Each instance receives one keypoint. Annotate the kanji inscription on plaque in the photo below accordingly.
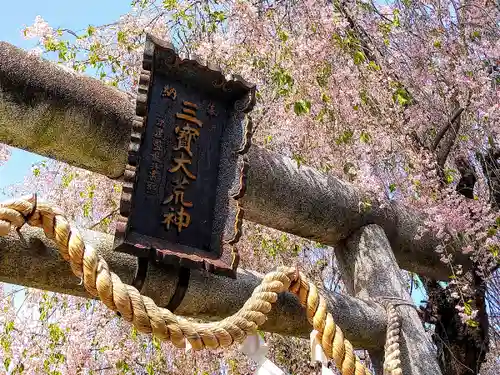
(187, 164)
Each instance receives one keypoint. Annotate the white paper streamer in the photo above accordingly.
(255, 348)
(188, 346)
(268, 368)
(318, 354)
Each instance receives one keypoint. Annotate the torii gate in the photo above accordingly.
(37, 97)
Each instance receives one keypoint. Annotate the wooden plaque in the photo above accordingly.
(186, 163)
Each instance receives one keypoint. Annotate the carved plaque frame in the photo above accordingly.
(187, 163)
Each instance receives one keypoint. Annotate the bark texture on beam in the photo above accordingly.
(76, 119)
(207, 297)
(370, 271)
(57, 113)
(311, 204)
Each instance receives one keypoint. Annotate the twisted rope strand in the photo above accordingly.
(147, 317)
(392, 362)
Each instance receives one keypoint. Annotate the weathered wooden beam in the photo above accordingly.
(207, 297)
(77, 119)
(370, 271)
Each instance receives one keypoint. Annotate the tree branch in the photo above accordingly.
(445, 128)
(115, 211)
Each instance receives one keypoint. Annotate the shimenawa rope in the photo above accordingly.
(392, 362)
(147, 317)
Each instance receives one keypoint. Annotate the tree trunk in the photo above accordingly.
(461, 348)
(490, 163)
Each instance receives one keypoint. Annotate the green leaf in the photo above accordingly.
(345, 137)
(122, 365)
(90, 30)
(392, 187)
(299, 159)
(9, 326)
(6, 343)
(121, 37)
(282, 35)
(437, 44)
(401, 99)
(156, 343)
(91, 191)
(365, 137)
(363, 95)
(141, 3)
(365, 206)
(494, 250)
(19, 369)
(395, 21)
(87, 208)
(359, 57)
(324, 73)
(66, 179)
(401, 96)
(56, 334)
(283, 81)
(6, 363)
(464, 138)
(472, 323)
(93, 59)
(475, 35)
(170, 4)
(449, 175)
(219, 16)
(321, 115)
(302, 107)
(467, 308)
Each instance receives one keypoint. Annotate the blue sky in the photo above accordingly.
(74, 15)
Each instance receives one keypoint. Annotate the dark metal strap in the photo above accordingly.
(180, 289)
(141, 273)
(183, 276)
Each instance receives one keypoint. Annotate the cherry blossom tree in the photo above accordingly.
(401, 99)
(4, 153)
